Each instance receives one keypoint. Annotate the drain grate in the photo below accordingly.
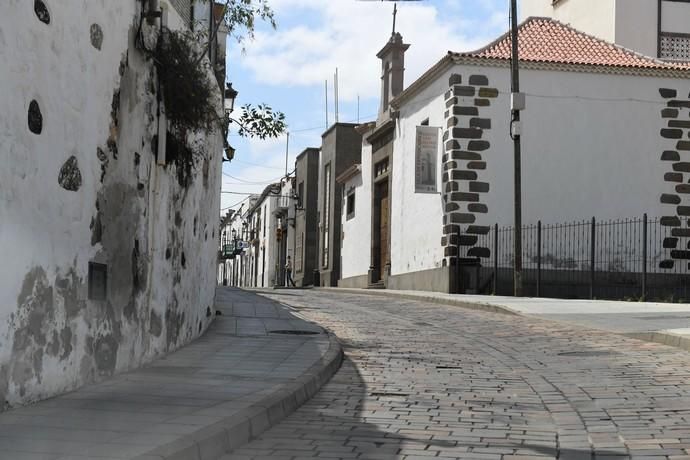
(587, 354)
(294, 332)
(392, 395)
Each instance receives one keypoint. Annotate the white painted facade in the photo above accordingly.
(157, 238)
(356, 231)
(590, 147)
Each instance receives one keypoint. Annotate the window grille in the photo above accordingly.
(675, 47)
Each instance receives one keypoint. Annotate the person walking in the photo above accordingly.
(288, 272)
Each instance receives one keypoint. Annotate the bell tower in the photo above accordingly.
(392, 57)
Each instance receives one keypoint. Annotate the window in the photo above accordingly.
(350, 205)
(300, 195)
(326, 212)
(674, 46)
(381, 168)
(265, 218)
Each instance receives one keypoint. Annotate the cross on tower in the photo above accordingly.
(395, 13)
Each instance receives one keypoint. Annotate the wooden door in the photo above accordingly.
(383, 227)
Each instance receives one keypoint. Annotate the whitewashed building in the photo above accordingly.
(604, 134)
(113, 247)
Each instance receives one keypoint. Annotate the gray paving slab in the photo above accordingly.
(425, 379)
(193, 404)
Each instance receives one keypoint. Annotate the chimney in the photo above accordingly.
(392, 70)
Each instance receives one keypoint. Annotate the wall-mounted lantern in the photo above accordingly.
(229, 153)
(230, 96)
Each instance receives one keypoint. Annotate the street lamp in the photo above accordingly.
(230, 96)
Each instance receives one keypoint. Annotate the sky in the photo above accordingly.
(287, 67)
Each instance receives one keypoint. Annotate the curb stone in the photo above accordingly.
(216, 440)
(430, 299)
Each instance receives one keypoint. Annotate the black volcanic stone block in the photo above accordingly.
(670, 243)
(679, 124)
(467, 133)
(452, 187)
(488, 92)
(682, 166)
(463, 91)
(679, 104)
(460, 110)
(671, 133)
(479, 80)
(668, 93)
(463, 175)
(450, 251)
(478, 230)
(462, 218)
(479, 187)
(452, 122)
(482, 102)
(450, 207)
(673, 177)
(450, 229)
(683, 255)
(451, 102)
(670, 221)
(469, 156)
(683, 188)
(683, 211)
(35, 118)
(462, 196)
(478, 146)
(670, 155)
(666, 264)
(450, 165)
(455, 79)
(453, 145)
(476, 165)
(669, 113)
(478, 207)
(483, 253)
(670, 199)
(482, 123)
(681, 233)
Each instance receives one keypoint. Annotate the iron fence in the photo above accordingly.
(638, 258)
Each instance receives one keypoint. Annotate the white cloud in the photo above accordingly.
(349, 33)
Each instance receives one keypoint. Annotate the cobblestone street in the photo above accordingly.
(422, 381)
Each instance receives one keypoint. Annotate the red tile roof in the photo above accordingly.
(549, 41)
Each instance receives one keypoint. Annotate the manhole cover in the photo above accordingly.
(587, 354)
(294, 332)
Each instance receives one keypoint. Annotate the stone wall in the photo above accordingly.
(109, 256)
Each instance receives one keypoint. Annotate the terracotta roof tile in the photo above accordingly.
(550, 41)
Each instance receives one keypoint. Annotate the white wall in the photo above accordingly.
(591, 146)
(157, 240)
(416, 218)
(530, 8)
(636, 25)
(355, 251)
(595, 17)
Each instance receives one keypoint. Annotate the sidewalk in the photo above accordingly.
(194, 404)
(666, 323)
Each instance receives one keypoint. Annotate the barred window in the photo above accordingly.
(675, 47)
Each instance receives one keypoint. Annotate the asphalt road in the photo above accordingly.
(423, 381)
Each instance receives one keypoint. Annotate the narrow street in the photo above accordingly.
(422, 381)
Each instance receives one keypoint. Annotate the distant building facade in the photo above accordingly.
(306, 229)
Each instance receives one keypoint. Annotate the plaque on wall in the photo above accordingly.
(426, 159)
